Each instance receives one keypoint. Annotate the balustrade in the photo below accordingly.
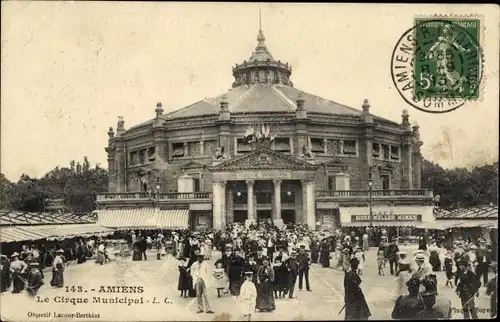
(375, 193)
(153, 196)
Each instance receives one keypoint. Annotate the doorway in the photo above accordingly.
(386, 182)
(288, 216)
(262, 215)
(240, 216)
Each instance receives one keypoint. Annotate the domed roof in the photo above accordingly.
(262, 85)
(258, 98)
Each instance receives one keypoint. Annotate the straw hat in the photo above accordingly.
(419, 258)
(16, 254)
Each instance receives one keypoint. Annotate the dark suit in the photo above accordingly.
(483, 263)
(467, 287)
(392, 252)
(304, 260)
(292, 266)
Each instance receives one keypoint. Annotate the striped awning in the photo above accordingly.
(144, 218)
(443, 224)
(489, 223)
(200, 206)
(380, 224)
(51, 232)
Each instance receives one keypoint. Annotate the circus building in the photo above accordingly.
(265, 150)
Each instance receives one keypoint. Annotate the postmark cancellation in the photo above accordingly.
(437, 65)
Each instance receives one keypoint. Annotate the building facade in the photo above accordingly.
(265, 150)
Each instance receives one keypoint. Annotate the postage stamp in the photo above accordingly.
(437, 64)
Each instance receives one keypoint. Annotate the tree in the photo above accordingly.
(5, 186)
(461, 187)
(77, 185)
(26, 195)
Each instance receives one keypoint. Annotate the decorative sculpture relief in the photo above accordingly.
(219, 154)
(307, 153)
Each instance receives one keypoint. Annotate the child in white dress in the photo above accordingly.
(208, 248)
(220, 277)
(248, 296)
(360, 256)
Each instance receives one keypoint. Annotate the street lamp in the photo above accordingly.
(370, 185)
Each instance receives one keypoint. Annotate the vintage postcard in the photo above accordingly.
(177, 161)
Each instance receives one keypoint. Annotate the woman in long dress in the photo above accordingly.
(235, 273)
(184, 282)
(58, 270)
(265, 294)
(356, 307)
(314, 250)
(34, 279)
(324, 258)
(403, 275)
(17, 269)
(434, 257)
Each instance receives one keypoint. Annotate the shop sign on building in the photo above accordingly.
(386, 216)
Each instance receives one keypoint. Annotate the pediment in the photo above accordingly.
(387, 167)
(335, 163)
(264, 159)
(193, 165)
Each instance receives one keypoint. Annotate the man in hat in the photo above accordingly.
(292, 266)
(391, 253)
(4, 273)
(467, 287)
(483, 258)
(491, 290)
(18, 269)
(304, 263)
(429, 312)
(421, 270)
(34, 278)
(201, 280)
(408, 306)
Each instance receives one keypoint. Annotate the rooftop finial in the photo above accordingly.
(260, 37)
(260, 20)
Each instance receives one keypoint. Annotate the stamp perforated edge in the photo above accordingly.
(482, 33)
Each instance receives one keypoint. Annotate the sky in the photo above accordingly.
(69, 69)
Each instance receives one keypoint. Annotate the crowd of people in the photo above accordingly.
(25, 269)
(263, 262)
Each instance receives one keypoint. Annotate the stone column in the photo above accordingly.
(250, 204)
(230, 207)
(417, 168)
(303, 217)
(216, 205)
(277, 204)
(120, 168)
(112, 174)
(407, 182)
(223, 203)
(310, 205)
